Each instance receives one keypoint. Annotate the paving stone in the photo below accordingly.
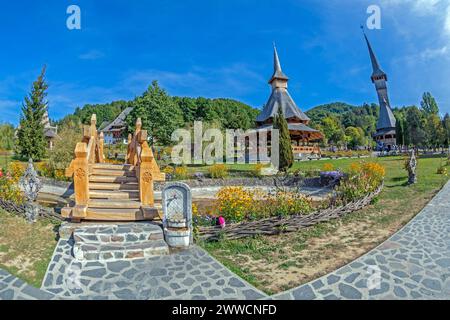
(384, 287)
(95, 273)
(349, 292)
(317, 284)
(432, 284)
(125, 294)
(400, 274)
(234, 282)
(118, 266)
(332, 279)
(303, 293)
(162, 292)
(197, 290)
(213, 293)
(444, 262)
(7, 294)
(158, 272)
(229, 290)
(399, 292)
(351, 278)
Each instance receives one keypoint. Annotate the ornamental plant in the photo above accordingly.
(181, 173)
(9, 190)
(328, 167)
(16, 170)
(362, 178)
(236, 204)
(218, 171)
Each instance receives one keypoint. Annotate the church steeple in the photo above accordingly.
(386, 121)
(377, 72)
(278, 79)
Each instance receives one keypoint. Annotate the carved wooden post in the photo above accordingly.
(137, 142)
(145, 177)
(101, 142)
(129, 147)
(81, 180)
(94, 125)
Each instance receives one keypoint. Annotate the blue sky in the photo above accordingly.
(221, 49)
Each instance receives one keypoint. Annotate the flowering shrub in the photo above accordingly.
(9, 189)
(237, 204)
(16, 170)
(181, 173)
(218, 171)
(328, 167)
(361, 179)
(168, 170)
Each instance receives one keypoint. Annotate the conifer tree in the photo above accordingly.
(31, 141)
(286, 154)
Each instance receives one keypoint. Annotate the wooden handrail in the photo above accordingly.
(141, 156)
(87, 152)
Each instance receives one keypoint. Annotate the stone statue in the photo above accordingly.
(31, 184)
(411, 167)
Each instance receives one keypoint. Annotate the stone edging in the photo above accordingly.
(207, 182)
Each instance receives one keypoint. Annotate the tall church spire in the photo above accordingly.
(377, 72)
(278, 79)
(385, 135)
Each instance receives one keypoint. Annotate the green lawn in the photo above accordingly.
(26, 249)
(277, 263)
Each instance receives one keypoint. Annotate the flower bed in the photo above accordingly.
(250, 213)
(278, 225)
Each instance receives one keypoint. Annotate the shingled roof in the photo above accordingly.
(280, 97)
(119, 121)
(386, 118)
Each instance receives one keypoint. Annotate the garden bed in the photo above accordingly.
(278, 225)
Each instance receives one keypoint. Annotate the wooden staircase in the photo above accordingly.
(112, 192)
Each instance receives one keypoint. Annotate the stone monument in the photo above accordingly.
(177, 208)
(30, 184)
(411, 168)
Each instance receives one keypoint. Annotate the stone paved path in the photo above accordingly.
(12, 288)
(414, 263)
(189, 274)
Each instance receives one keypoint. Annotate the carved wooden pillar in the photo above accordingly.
(145, 177)
(81, 180)
(101, 142)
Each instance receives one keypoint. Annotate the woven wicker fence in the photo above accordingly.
(277, 225)
(20, 209)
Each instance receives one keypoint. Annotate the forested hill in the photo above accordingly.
(364, 117)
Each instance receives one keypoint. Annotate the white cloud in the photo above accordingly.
(447, 21)
(428, 53)
(91, 55)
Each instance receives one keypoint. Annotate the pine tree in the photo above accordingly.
(286, 155)
(31, 141)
